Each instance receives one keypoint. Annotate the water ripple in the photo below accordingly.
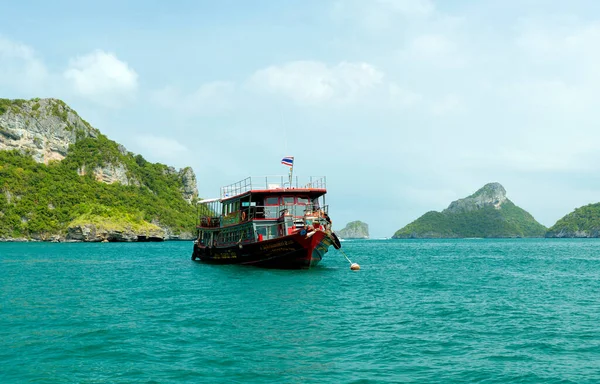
(490, 311)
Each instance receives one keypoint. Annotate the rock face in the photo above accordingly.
(43, 127)
(570, 234)
(185, 235)
(492, 194)
(486, 213)
(190, 186)
(38, 199)
(583, 222)
(90, 233)
(354, 230)
(113, 173)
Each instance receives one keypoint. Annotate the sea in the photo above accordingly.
(418, 311)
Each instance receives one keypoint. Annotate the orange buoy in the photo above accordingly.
(355, 267)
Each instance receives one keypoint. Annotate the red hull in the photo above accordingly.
(296, 251)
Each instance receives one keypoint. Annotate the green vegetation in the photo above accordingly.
(45, 199)
(113, 219)
(582, 222)
(59, 109)
(12, 104)
(508, 221)
(5, 105)
(354, 229)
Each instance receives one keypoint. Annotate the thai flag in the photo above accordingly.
(288, 160)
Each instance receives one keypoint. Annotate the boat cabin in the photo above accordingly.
(247, 212)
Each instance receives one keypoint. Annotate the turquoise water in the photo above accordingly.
(445, 311)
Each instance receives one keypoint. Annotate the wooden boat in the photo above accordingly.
(266, 222)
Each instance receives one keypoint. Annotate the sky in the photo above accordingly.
(404, 105)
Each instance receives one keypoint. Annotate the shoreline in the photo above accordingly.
(25, 240)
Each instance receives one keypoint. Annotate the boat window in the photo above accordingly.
(268, 231)
(302, 201)
(261, 231)
(288, 200)
(316, 203)
(272, 201)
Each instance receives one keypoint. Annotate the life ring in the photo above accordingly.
(243, 216)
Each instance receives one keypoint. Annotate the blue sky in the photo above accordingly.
(403, 105)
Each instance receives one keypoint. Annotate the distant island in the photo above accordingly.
(583, 222)
(487, 213)
(63, 180)
(354, 230)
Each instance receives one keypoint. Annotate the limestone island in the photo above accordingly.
(354, 230)
(63, 180)
(583, 222)
(487, 213)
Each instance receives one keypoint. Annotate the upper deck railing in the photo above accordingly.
(272, 182)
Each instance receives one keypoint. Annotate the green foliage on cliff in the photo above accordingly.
(508, 221)
(45, 199)
(585, 219)
(8, 104)
(112, 218)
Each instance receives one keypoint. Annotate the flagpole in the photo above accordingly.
(289, 161)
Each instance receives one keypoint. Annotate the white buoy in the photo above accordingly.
(353, 266)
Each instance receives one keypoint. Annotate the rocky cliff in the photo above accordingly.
(490, 195)
(354, 230)
(63, 179)
(44, 128)
(486, 213)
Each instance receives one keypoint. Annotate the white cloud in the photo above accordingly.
(559, 42)
(102, 77)
(432, 46)
(314, 82)
(403, 97)
(408, 7)
(381, 15)
(558, 74)
(209, 98)
(20, 67)
(434, 49)
(449, 104)
(556, 96)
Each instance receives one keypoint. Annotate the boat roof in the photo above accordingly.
(313, 186)
(310, 192)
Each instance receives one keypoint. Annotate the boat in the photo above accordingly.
(270, 222)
